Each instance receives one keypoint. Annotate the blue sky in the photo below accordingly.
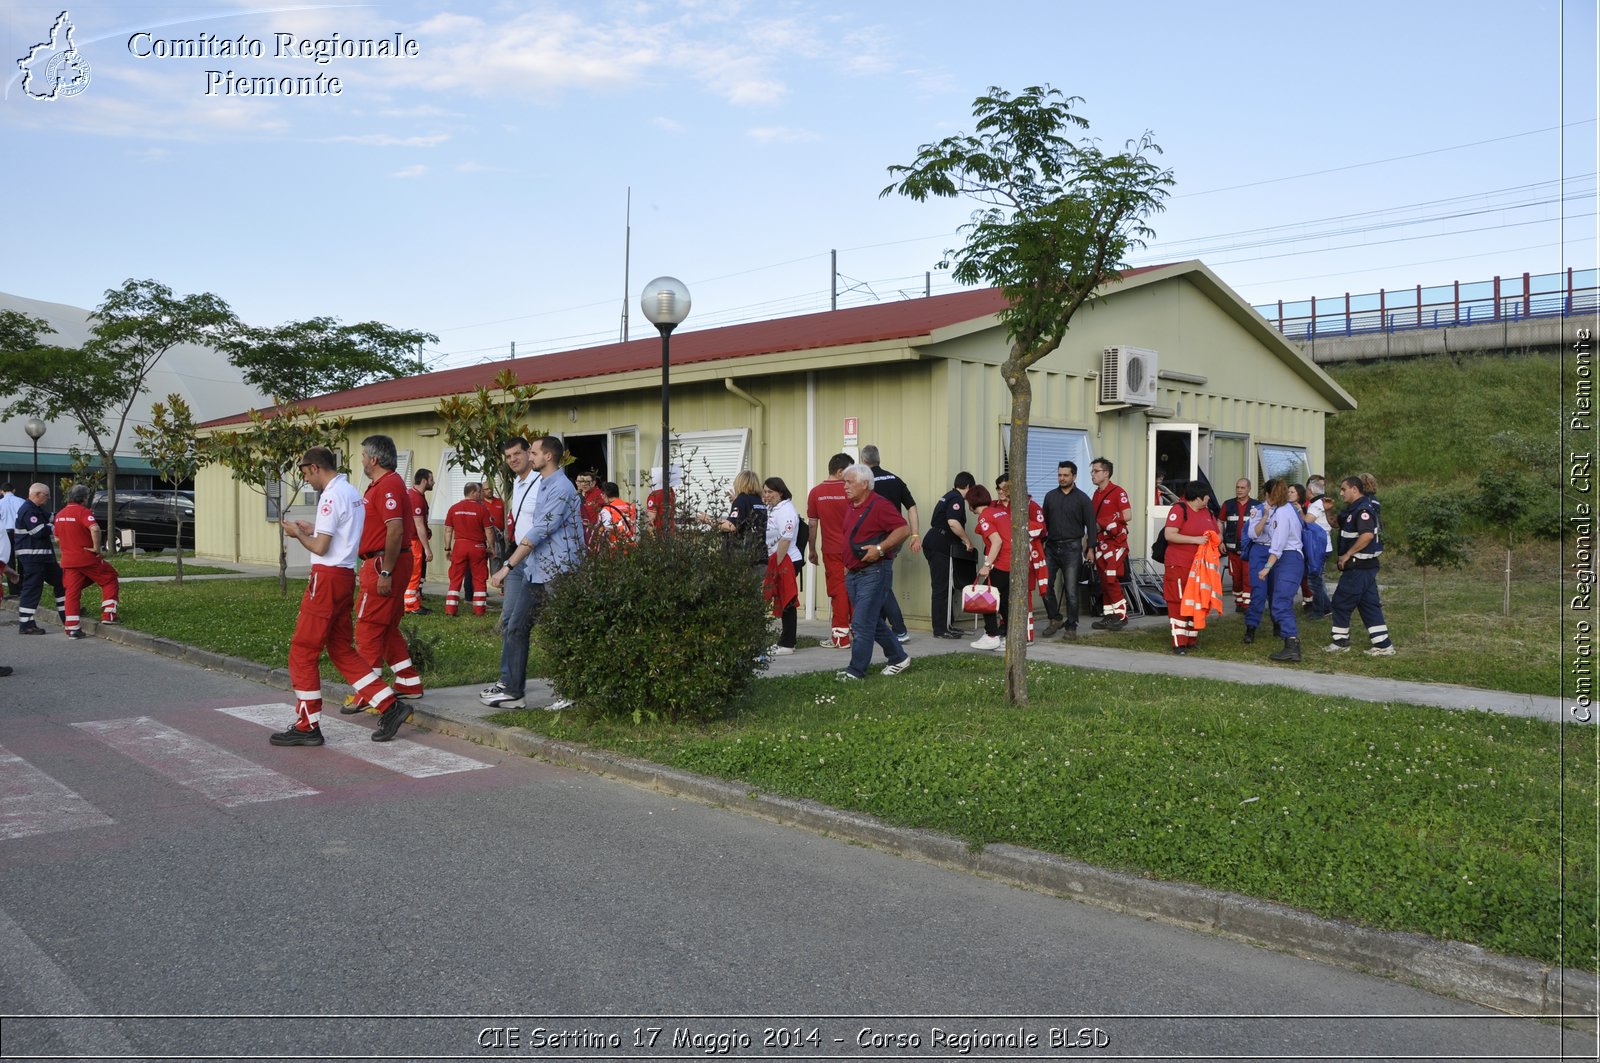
(477, 189)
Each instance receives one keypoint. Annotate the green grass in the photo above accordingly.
(1468, 641)
(161, 565)
(247, 618)
(1395, 816)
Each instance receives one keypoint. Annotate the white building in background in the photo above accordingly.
(210, 386)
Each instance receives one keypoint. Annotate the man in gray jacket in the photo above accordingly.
(549, 542)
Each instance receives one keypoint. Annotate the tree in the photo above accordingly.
(171, 447)
(1502, 500)
(1059, 220)
(1433, 539)
(97, 385)
(266, 456)
(319, 356)
(477, 424)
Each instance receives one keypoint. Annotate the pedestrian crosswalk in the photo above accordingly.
(32, 802)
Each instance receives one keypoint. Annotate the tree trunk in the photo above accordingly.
(177, 540)
(108, 462)
(1505, 602)
(1424, 570)
(1020, 604)
(283, 561)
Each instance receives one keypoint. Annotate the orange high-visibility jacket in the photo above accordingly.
(1202, 593)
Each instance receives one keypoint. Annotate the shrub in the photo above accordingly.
(668, 628)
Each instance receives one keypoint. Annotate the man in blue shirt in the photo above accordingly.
(1360, 547)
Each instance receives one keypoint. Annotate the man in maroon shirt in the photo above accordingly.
(388, 539)
(873, 529)
(422, 545)
(81, 561)
(825, 510)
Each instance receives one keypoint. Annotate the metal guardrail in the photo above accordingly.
(1436, 307)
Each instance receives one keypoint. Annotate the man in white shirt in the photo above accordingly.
(324, 624)
(10, 502)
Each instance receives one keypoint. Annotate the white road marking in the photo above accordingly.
(226, 778)
(407, 758)
(31, 802)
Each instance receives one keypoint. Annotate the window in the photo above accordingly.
(1046, 448)
(1279, 462)
(449, 479)
(704, 465)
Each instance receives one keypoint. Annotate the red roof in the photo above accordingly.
(832, 328)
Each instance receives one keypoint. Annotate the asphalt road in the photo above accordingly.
(161, 863)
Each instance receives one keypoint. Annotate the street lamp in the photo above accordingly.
(665, 303)
(35, 429)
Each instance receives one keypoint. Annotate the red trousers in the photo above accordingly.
(838, 601)
(1182, 627)
(324, 627)
(414, 583)
(78, 579)
(1239, 574)
(468, 559)
(378, 638)
(1108, 559)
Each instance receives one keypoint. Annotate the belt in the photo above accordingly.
(379, 553)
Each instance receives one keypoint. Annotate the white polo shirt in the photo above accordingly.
(9, 504)
(339, 516)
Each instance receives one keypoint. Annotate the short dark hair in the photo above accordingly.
(775, 483)
(516, 442)
(1068, 465)
(1354, 481)
(611, 489)
(1107, 463)
(6, 487)
(965, 480)
(553, 446)
(321, 457)
(420, 475)
(839, 463)
(1195, 489)
(1003, 478)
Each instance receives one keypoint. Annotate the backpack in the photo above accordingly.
(802, 538)
(1158, 549)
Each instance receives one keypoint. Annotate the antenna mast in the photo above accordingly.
(627, 248)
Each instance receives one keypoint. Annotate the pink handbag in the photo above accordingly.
(980, 598)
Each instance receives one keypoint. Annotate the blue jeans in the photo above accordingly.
(891, 604)
(1320, 605)
(1260, 586)
(1064, 561)
(870, 589)
(523, 603)
(1285, 583)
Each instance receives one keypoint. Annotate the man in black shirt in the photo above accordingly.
(1068, 531)
(895, 490)
(947, 537)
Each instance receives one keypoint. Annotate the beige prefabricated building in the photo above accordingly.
(1169, 371)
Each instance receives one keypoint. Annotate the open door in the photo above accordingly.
(625, 463)
(1173, 459)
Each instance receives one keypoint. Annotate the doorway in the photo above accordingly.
(588, 454)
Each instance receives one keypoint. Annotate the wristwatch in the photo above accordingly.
(385, 573)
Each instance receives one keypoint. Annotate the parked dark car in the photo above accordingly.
(152, 516)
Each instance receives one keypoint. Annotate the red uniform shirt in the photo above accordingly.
(497, 512)
(469, 519)
(1109, 504)
(589, 507)
(419, 507)
(827, 504)
(386, 500)
(1187, 521)
(996, 519)
(877, 516)
(652, 505)
(75, 532)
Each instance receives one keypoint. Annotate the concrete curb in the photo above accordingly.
(1505, 983)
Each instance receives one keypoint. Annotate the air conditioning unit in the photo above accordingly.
(1128, 377)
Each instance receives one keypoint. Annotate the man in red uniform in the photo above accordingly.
(388, 539)
(497, 522)
(1112, 512)
(825, 507)
(1236, 542)
(466, 538)
(417, 503)
(590, 501)
(659, 505)
(324, 621)
(81, 561)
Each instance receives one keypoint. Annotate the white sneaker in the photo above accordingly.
(781, 651)
(829, 644)
(488, 694)
(1002, 647)
(1336, 647)
(1381, 651)
(503, 700)
(987, 642)
(898, 667)
(559, 705)
(904, 636)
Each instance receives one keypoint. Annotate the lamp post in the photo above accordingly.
(35, 429)
(665, 303)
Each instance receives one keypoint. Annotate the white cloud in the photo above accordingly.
(778, 134)
(662, 122)
(410, 171)
(386, 140)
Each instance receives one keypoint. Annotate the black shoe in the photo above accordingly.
(421, 611)
(1181, 651)
(1116, 623)
(30, 629)
(1290, 652)
(956, 635)
(296, 737)
(1249, 635)
(5, 670)
(1103, 623)
(390, 721)
(352, 706)
(79, 634)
